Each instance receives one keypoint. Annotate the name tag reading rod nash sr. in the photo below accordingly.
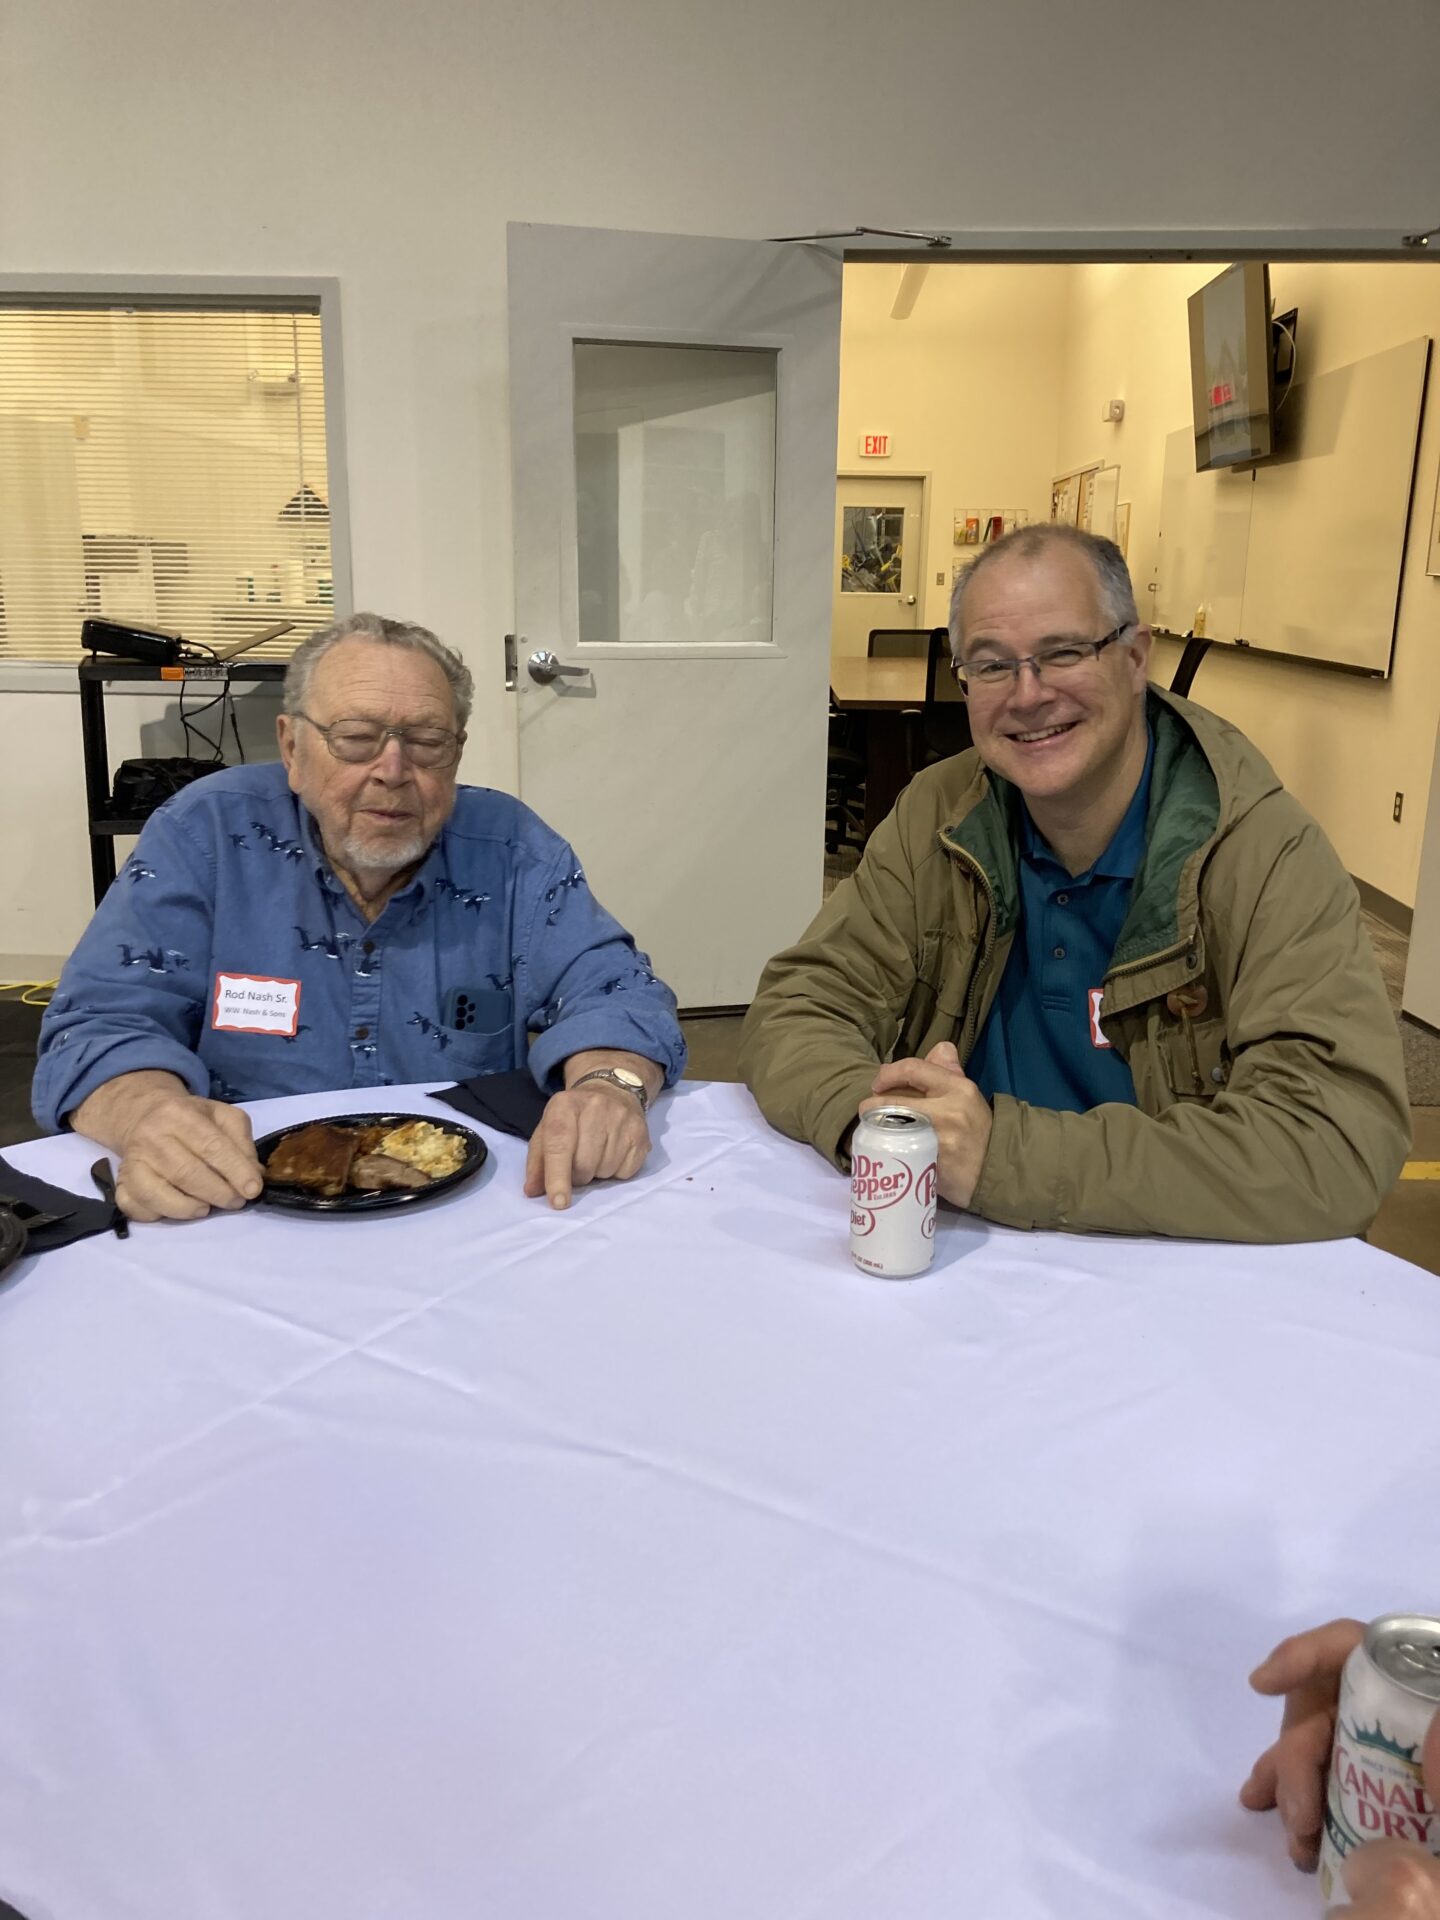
(255, 1003)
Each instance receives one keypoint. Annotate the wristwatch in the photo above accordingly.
(618, 1077)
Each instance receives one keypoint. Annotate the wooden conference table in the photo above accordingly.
(648, 1562)
(882, 690)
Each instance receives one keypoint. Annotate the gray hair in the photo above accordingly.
(1117, 595)
(392, 633)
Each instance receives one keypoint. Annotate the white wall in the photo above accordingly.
(1343, 745)
(968, 389)
(389, 145)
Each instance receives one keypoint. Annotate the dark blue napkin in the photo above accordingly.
(510, 1102)
(51, 1216)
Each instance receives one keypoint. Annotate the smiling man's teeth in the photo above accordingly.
(1046, 733)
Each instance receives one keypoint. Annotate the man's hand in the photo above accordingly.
(1291, 1773)
(594, 1132)
(937, 1086)
(179, 1155)
(1392, 1880)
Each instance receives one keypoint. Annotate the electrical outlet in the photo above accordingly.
(939, 579)
(1398, 807)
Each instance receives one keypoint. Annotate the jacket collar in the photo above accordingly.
(1182, 822)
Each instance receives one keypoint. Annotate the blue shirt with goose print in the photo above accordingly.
(495, 955)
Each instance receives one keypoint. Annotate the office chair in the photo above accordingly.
(897, 643)
(844, 782)
(1196, 648)
(942, 726)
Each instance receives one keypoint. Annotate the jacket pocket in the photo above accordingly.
(1197, 1058)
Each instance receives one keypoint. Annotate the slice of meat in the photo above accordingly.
(373, 1171)
(318, 1157)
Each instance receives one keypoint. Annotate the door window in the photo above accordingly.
(674, 493)
(872, 549)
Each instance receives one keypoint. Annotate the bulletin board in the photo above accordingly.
(1302, 558)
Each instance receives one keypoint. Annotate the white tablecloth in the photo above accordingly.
(648, 1562)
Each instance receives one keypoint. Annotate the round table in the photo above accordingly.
(646, 1559)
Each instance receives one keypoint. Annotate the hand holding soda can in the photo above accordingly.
(893, 1178)
(1389, 1693)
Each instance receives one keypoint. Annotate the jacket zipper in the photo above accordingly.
(1151, 960)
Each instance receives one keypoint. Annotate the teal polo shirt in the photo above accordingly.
(1041, 1041)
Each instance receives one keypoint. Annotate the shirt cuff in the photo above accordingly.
(61, 1085)
(612, 1031)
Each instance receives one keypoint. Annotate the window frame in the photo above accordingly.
(280, 293)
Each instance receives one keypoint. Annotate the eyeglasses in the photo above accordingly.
(357, 741)
(1001, 674)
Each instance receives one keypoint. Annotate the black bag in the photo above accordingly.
(143, 785)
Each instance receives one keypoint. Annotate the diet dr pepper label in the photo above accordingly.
(893, 1193)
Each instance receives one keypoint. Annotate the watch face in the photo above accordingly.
(627, 1078)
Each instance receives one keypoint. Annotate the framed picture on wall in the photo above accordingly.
(1122, 526)
(1068, 492)
(1432, 562)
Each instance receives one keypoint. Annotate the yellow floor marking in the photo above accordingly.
(1420, 1170)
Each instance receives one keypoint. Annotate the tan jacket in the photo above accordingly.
(1243, 991)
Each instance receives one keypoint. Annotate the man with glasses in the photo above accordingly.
(349, 918)
(1119, 967)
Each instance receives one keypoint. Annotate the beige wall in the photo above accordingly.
(968, 389)
(1342, 744)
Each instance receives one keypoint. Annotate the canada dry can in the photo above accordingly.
(1389, 1693)
(892, 1192)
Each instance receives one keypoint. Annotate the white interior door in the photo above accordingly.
(673, 421)
(879, 550)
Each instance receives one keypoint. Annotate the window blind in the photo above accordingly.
(165, 466)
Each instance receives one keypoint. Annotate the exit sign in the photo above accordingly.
(874, 446)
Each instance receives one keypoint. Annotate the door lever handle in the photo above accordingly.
(543, 667)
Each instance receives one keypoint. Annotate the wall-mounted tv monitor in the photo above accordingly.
(1232, 369)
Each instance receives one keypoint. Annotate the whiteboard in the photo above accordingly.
(1327, 533)
(1204, 531)
(1304, 555)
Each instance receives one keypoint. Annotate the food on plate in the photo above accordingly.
(430, 1148)
(332, 1157)
(371, 1172)
(318, 1157)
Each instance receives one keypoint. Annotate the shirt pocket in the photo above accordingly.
(479, 1031)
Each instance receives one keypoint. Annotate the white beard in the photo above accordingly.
(363, 856)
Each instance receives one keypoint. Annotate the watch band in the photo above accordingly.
(618, 1077)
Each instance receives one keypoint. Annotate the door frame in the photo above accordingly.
(1123, 247)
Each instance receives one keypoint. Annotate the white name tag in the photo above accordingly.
(254, 1003)
(1097, 1037)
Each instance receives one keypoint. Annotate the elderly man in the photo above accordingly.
(1116, 964)
(348, 918)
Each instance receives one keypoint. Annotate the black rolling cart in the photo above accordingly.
(98, 670)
